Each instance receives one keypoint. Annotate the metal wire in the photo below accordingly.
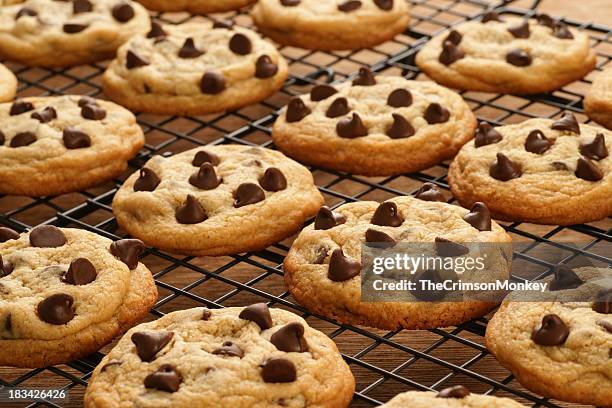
(384, 363)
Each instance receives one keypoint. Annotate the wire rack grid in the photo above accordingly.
(384, 363)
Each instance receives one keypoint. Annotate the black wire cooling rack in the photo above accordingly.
(384, 363)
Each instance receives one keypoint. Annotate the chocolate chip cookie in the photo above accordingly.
(217, 200)
(375, 125)
(322, 268)
(506, 54)
(54, 145)
(60, 33)
(195, 6)
(194, 69)
(65, 293)
(234, 357)
(541, 170)
(456, 396)
(598, 101)
(559, 348)
(331, 24)
(8, 84)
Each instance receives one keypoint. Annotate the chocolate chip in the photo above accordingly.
(2, 138)
(147, 180)
(56, 309)
(520, 31)
(93, 112)
(226, 24)
(202, 157)
(435, 113)
(73, 28)
(240, 44)
(290, 338)
(166, 378)
(587, 170)
(47, 236)
(321, 255)
(364, 77)
(81, 6)
(479, 217)
(206, 314)
(189, 50)
(132, 60)
(265, 68)
(450, 53)
(80, 272)
(321, 92)
(387, 215)
(351, 127)
(25, 11)
(156, 31)
(536, 142)
(18, 107)
(205, 178)
(505, 169)
(400, 128)
(607, 326)
(278, 370)
(430, 192)
(447, 248)
(491, 16)
(454, 37)
(123, 12)
(248, 193)
(128, 251)
(326, 219)
(5, 267)
(229, 349)
(350, 5)
(75, 139)
(290, 3)
(23, 139)
(551, 332)
(273, 180)
(518, 57)
(428, 295)
(296, 110)
(110, 364)
(486, 135)
(457, 391)
(595, 150)
(339, 107)
(567, 122)
(87, 100)
(603, 302)
(561, 31)
(46, 116)
(190, 212)
(399, 98)
(212, 83)
(258, 313)
(564, 278)
(546, 20)
(7, 234)
(557, 165)
(379, 238)
(341, 267)
(149, 343)
(384, 4)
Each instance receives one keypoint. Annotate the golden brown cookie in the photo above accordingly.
(598, 101)
(195, 6)
(8, 84)
(456, 396)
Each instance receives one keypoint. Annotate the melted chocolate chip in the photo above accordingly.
(557, 165)
(603, 302)
(587, 170)
(248, 193)
(265, 68)
(479, 217)
(430, 192)
(56, 309)
(23, 139)
(296, 110)
(564, 278)
(546, 20)
(75, 139)
(149, 343)
(351, 127)
(81, 6)
(326, 219)
(364, 77)
(80, 272)
(505, 169)
(400, 127)
(520, 30)
(189, 50)
(384, 4)
(290, 338)
(7, 234)
(226, 24)
(379, 239)
(536, 142)
(607, 326)
(5, 267)
(595, 150)
(428, 295)
(203, 156)
(551, 332)
(212, 83)
(321, 92)
(47, 236)
(321, 255)
(486, 135)
(387, 215)
(45, 116)
(2, 138)
(567, 123)
(350, 5)
(561, 31)
(229, 349)
(518, 57)
(93, 112)
(156, 31)
(258, 313)
(278, 370)
(73, 28)
(25, 11)
(86, 100)
(457, 391)
(240, 44)
(128, 251)
(454, 37)
(190, 212)
(341, 267)
(205, 178)
(339, 107)
(123, 12)
(18, 107)
(166, 378)
(273, 180)
(447, 248)
(147, 180)
(290, 3)
(132, 60)
(450, 53)
(399, 98)
(491, 16)
(435, 113)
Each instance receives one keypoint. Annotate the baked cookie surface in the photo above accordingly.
(233, 357)
(217, 200)
(559, 348)
(195, 6)
(372, 125)
(64, 293)
(60, 33)
(508, 56)
(598, 101)
(322, 268)
(457, 396)
(195, 69)
(331, 24)
(542, 171)
(8, 84)
(54, 145)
